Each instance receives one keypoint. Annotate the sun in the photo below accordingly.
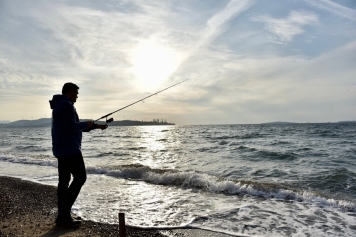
(153, 63)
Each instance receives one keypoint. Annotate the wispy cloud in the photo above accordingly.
(279, 87)
(285, 29)
(334, 7)
(214, 24)
(214, 27)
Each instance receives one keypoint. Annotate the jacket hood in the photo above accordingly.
(56, 99)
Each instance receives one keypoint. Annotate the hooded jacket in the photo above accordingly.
(66, 127)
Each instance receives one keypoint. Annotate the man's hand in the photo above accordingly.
(102, 126)
(90, 123)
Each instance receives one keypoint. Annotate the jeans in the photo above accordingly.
(67, 194)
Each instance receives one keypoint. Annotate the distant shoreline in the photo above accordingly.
(279, 122)
(46, 122)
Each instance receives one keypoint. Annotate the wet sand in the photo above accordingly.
(29, 209)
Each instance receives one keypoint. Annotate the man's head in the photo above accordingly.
(71, 91)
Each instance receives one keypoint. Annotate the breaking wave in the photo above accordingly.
(41, 160)
(217, 185)
(196, 180)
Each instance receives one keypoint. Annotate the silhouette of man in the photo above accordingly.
(66, 146)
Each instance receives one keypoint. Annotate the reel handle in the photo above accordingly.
(109, 120)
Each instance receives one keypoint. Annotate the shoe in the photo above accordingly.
(67, 221)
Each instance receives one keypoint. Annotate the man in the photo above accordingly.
(66, 145)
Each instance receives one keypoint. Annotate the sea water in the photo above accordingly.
(254, 180)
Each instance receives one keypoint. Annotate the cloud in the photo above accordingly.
(214, 26)
(334, 8)
(285, 29)
(252, 89)
(72, 42)
(92, 44)
(236, 76)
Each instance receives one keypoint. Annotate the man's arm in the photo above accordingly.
(95, 126)
(102, 126)
(69, 120)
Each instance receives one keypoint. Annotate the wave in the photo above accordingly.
(189, 225)
(30, 148)
(24, 147)
(105, 154)
(37, 138)
(223, 142)
(325, 133)
(217, 185)
(5, 143)
(277, 155)
(41, 160)
(246, 136)
(128, 136)
(208, 149)
(304, 149)
(234, 143)
(162, 140)
(246, 148)
(280, 143)
(136, 148)
(196, 180)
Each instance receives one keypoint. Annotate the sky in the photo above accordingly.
(248, 61)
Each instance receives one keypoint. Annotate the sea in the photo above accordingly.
(243, 180)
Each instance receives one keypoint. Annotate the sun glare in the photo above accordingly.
(153, 63)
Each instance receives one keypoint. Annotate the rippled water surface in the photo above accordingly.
(269, 180)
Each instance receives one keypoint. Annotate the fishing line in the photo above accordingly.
(111, 119)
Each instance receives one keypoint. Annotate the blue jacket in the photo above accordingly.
(66, 127)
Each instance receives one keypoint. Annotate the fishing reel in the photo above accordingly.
(109, 120)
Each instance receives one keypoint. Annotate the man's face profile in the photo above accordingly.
(73, 95)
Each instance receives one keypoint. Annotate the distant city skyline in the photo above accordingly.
(249, 61)
(47, 122)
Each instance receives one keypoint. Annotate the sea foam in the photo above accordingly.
(193, 179)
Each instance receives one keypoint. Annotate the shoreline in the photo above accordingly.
(29, 209)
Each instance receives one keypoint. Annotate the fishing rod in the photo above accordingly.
(111, 119)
